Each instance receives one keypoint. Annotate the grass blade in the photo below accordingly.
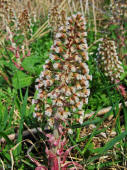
(109, 145)
(22, 111)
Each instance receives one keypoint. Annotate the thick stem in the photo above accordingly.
(56, 135)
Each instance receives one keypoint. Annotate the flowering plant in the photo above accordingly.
(110, 64)
(63, 85)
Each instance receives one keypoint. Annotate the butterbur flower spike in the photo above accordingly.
(57, 20)
(108, 61)
(63, 89)
(110, 64)
(65, 76)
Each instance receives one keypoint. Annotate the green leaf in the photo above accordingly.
(88, 122)
(112, 142)
(22, 111)
(75, 144)
(21, 80)
(109, 145)
(123, 76)
(30, 64)
(113, 27)
(125, 114)
(95, 129)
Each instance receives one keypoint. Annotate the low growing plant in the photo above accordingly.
(63, 85)
(110, 64)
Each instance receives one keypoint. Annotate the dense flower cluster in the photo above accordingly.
(6, 11)
(16, 21)
(118, 18)
(63, 85)
(24, 20)
(108, 60)
(16, 14)
(57, 18)
(119, 10)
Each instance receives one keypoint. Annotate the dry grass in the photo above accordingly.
(39, 10)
